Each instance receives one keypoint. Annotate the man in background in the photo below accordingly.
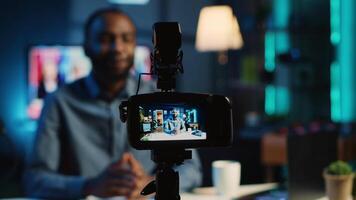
(81, 145)
(176, 124)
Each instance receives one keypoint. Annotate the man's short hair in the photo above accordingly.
(99, 13)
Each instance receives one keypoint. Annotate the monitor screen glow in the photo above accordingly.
(171, 122)
(51, 66)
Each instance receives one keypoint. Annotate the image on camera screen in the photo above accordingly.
(171, 122)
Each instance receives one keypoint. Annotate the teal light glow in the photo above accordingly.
(281, 13)
(347, 62)
(270, 51)
(335, 21)
(195, 115)
(335, 95)
(343, 74)
(270, 100)
(282, 100)
(282, 42)
(276, 100)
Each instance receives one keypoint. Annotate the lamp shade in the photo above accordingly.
(218, 30)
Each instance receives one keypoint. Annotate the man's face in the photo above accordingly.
(175, 114)
(111, 45)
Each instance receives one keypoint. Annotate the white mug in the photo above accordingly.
(226, 177)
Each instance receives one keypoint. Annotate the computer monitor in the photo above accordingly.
(51, 66)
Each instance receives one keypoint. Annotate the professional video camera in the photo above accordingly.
(169, 122)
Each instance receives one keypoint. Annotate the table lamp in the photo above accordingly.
(218, 30)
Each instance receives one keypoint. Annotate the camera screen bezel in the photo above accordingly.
(217, 134)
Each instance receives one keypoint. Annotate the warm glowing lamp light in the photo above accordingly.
(218, 30)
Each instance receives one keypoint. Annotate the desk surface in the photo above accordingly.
(244, 190)
(209, 193)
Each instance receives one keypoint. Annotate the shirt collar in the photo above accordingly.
(95, 92)
(92, 86)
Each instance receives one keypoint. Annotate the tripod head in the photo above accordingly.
(166, 184)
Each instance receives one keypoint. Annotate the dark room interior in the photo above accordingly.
(286, 66)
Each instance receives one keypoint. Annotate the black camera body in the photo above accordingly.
(171, 120)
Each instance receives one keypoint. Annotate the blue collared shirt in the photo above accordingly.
(79, 135)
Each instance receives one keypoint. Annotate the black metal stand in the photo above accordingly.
(166, 184)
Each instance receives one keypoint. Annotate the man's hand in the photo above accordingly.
(142, 179)
(119, 179)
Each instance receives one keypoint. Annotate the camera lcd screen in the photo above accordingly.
(167, 122)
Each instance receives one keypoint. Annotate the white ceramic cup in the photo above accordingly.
(226, 177)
